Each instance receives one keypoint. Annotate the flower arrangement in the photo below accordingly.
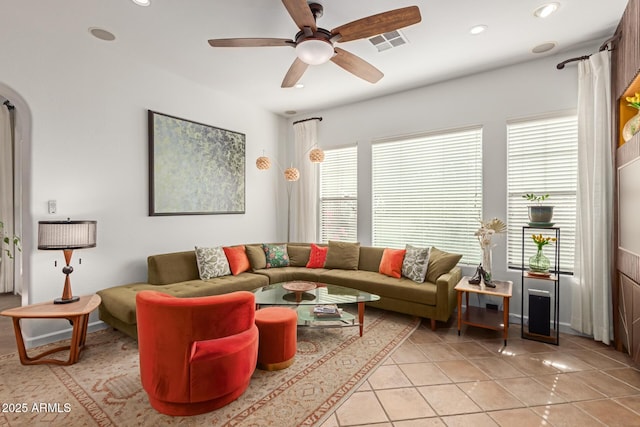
(487, 230)
(541, 241)
(634, 101)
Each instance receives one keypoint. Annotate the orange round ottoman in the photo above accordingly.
(277, 340)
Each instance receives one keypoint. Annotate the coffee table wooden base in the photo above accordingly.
(76, 313)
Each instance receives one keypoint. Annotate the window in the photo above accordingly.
(542, 159)
(339, 195)
(427, 191)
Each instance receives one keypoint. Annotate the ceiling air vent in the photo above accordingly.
(388, 40)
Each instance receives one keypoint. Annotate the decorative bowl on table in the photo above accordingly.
(299, 286)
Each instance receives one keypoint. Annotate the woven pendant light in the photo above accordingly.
(263, 163)
(291, 174)
(316, 155)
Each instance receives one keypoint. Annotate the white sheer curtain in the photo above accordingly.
(591, 288)
(304, 202)
(6, 197)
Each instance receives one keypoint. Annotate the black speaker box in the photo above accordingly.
(539, 312)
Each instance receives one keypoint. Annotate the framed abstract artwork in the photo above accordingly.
(194, 169)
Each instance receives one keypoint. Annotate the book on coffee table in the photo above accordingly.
(327, 311)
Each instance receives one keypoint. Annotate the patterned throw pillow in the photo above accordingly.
(212, 262)
(415, 264)
(317, 256)
(276, 255)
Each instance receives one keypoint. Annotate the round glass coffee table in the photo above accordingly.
(314, 302)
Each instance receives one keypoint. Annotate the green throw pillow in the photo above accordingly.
(298, 255)
(343, 255)
(276, 255)
(256, 256)
(440, 262)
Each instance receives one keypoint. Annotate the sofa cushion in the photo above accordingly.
(370, 258)
(298, 255)
(164, 269)
(276, 255)
(317, 257)
(237, 257)
(415, 263)
(440, 262)
(391, 263)
(343, 255)
(287, 274)
(256, 256)
(212, 262)
(379, 284)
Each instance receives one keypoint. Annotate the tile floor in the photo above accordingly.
(441, 379)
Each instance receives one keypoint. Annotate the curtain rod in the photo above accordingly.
(603, 46)
(8, 104)
(306, 120)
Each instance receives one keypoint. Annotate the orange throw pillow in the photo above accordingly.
(317, 256)
(391, 262)
(238, 259)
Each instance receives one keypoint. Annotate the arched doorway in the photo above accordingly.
(22, 125)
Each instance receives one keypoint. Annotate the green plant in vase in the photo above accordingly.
(539, 263)
(633, 125)
(539, 214)
(6, 239)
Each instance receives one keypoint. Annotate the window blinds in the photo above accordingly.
(339, 195)
(542, 159)
(427, 191)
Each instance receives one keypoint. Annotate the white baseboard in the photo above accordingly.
(65, 334)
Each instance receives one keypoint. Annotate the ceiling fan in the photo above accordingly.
(315, 45)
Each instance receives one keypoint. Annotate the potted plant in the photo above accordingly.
(9, 241)
(539, 213)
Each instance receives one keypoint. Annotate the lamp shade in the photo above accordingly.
(291, 174)
(66, 234)
(263, 163)
(316, 155)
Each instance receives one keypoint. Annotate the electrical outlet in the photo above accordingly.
(52, 206)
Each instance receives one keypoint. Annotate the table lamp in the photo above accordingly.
(66, 235)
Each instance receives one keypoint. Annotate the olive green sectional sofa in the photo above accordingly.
(178, 274)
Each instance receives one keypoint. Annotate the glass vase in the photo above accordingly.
(539, 263)
(486, 261)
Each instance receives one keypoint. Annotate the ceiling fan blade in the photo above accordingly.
(301, 13)
(249, 42)
(378, 24)
(356, 66)
(296, 71)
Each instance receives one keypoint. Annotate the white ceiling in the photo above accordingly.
(173, 34)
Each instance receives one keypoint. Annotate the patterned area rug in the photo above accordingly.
(103, 388)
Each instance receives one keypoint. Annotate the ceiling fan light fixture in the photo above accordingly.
(314, 51)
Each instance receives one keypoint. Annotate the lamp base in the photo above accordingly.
(65, 301)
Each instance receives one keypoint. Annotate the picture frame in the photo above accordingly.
(194, 168)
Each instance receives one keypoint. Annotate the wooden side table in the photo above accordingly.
(482, 317)
(77, 313)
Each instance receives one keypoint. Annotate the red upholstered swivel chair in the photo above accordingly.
(196, 354)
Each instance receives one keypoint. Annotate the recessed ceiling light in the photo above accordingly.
(544, 47)
(291, 112)
(101, 34)
(546, 10)
(142, 2)
(299, 86)
(477, 29)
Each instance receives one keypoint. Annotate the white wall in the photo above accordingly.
(88, 149)
(488, 99)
